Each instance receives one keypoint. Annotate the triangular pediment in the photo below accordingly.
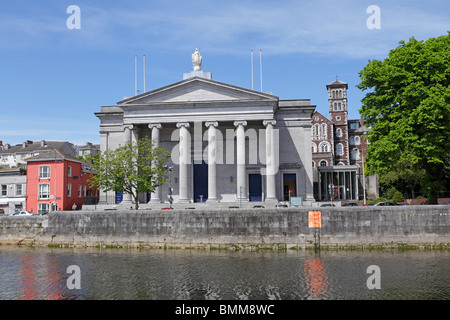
(196, 90)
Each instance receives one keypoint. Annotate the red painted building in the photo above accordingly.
(56, 181)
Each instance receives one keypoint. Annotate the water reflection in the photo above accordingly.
(29, 291)
(316, 277)
(40, 273)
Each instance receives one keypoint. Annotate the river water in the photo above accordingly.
(133, 274)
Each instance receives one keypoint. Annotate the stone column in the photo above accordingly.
(271, 163)
(184, 161)
(212, 161)
(155, 197)
(241, 180)
(126, 198)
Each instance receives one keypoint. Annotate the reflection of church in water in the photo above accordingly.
(338, 149)
(228, 144)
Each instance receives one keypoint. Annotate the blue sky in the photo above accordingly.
(53, 79)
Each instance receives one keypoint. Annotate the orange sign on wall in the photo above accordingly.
(314, 219)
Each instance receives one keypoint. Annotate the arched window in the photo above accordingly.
(333, 94)
(316, 130)
(324, 130)
(338, 132)
(313, 164)
(339, 106)
(357, 140)
(313, 147)
(324, 147)
(355, 154)
(335, 106)
(323, 163)
(352, 140)
(339, 149)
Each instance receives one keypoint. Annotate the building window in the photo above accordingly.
(323, 163)
(339, 106)
(4, 190)
(313, 164)
(324, 147)
(84, 191)
(324, 131)
(43, 208)
(313, 147)
(338, 118)
(19, 190)
(69, 171)
(79, 190)
(317, 130)
(44, 191)
(357, 140)
(352, 140)
(353, 125)
(69, 189)
(338, 132)
(335, 106)
(355, 154)
(339, 149)
(44, 172)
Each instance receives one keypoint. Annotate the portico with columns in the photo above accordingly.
(228, 144)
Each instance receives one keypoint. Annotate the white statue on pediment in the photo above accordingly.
(197, 60)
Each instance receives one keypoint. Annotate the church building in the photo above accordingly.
(228, 144)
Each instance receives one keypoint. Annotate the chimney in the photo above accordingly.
(7, 145)
(42, 143)
(24, 144)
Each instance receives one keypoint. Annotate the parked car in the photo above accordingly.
(445, 203)
(385, 203)
(403, 203)
(350, 204)
(22, 213)
(281, 206)
(258, 206)
(327, 205)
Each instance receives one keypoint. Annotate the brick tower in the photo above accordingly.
(337, 99)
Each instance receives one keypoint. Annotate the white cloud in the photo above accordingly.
(319, 27)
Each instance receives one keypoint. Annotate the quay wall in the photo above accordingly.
(346, 226)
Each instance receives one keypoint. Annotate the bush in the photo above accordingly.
(380, 199)
(397, 197)
(390, 194)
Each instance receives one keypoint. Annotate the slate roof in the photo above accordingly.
(34, 146)
(53, 155)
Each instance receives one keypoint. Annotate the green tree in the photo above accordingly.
(131, 168)
(408, 108)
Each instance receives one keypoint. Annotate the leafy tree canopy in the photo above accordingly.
(408, 108)
(132, 168)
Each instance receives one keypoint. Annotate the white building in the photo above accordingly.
(228, 144)
(12, 190)
(14, 156)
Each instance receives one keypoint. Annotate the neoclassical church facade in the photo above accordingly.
(228, 144)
